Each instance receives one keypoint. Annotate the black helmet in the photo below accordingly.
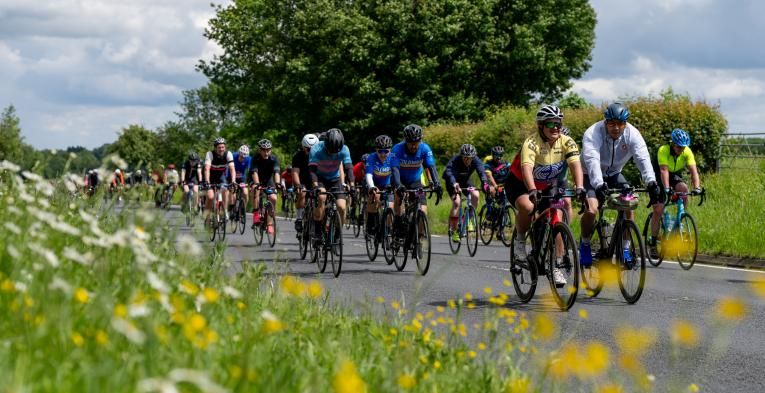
(193, 156)
(497, 150)
(468, 150)
(617, 111)
(265, 144)
(334, 140)
(383, 142)
(412, 133)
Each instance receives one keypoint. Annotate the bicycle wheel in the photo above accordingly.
(290, 205)
(632, 272)
(506, 226)
(592, 276)
(350, 214)
(387, 236)
(234, 218)
(257, 232)
(221, 223)
(422, 245)
(334, 246)
(270, 228)
(358, 221)
(647, 234)
(486, 230)
(302, 238)
(211, 223)
(524, 273)
(455, 245)
(318, 250)
(688, 242)
(370, 239)
(242, 215)
(471, 232)
(566, 260)
(403, 247)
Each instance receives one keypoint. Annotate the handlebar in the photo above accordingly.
(680, 194)
(426, 190)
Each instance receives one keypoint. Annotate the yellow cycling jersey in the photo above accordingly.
(675, 163)
(548, 161)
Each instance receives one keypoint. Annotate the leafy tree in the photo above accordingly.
(292, 66)
(136, 145)
(573, 100)
(11, 141)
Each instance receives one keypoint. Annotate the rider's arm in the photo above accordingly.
(449, 172)
(477, 166)
(642, 157)
(694, 176)
(183, 173)
(592, 141)
(528, 176)
(208, 163)
(576, 171)
(395, 176)
(664, 173)
(348, 168)
(295, 176)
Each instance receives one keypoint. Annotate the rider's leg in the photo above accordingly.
(272, 198)
(255, 206)
(454, 211)
(341, 209)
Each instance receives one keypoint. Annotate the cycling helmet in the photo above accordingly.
(383, 142)
(117, 171)
(334, 140)
(549, 112)
(565, 131)
(193, 156)
(497, 150)
(170, 166)
(309, 140)
(616, 111)
(468, 150)
(680, 137)
(364, 158)
(138, 172)
(412, 133)
(244, 150)
(218, 141)
(265, 144)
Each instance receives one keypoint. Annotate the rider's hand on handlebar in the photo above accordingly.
(696, 191)
(534, 195)
(457, 188)
(400, 191)
(602, 193)
(654, 192)
(372, 190)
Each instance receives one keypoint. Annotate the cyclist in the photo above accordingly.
(407, 162)
(118, 180)
(496, 167)
(191, 176)
(170, 178)
(377, 176)
(91, 182)
(606, 147)
(673, 159)
(457, 177)
(536, 168)
(218, 162)
(265, 172)
(287, 184)
(325, 161)
(301, 176)
(138, 177)
(242, 162)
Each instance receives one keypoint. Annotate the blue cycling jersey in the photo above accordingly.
(380, 170)
(410, 165)
(242, 167)
(328, 165)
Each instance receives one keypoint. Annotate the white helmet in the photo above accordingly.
(244, 150)
(117, 171)
(309, 140)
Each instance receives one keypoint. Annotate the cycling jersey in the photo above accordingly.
(328, 165)
(675, 164)
(379, 171)
(300, 161)
(548, 162)
(604, 156)
(190, 170)
(287, 176)
(266, 168)
(172, 176)
(457, 172)
(499, 168)
(410, 165)
(118, 179)
(359, 172)
(242, 167)
(218, 163)
(92, 179)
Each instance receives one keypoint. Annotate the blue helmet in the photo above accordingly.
(617, 111)
(680, 137)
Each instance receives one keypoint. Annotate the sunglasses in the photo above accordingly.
(553, 124)
(383, 151)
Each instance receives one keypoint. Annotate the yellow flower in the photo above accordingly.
(252, 375)
(693, 388)
(506, 283)
(544, 328)
(634, 341)
(487, 290)
(120, 310)
(347, 380)
(271, 324)
(235, 372)
(758, 287)
(596, 359)
(481, 346)
(472, 354)
(102, 338)
(314, 289)
(436, 364)
(395, 304)
(440, 308)
(81, 295)
(684, 333)
(406, 381)
(211, 295)
(292, 286)
(241, 305)
(189, 287)
(7, 286)
(468, 296)
(583, 313)
(77, 339)
(197, 322)
(518, 385)
(380, 299)
(731, 309)
(609, 388)
(452, 304)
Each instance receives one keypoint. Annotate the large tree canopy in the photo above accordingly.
(375, 65)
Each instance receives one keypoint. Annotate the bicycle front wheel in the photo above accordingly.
(234, 217)
(486, 230)
(422, 244)
(687, 242)
(631, 262)
(371, 241)
(242, 215)
(471, 232)
(563, 257)
(524, 273)
(387, 237)
(593, 275)
(506, 226)
(358, 222)
(334, 249)
(257, 231)
(221, 223)
(270, 225)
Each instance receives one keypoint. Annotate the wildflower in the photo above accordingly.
(468, 296)
(81, 295)
(440, 308)
(7, 286)
(232, 292)
(157, 282)
(684, 334)
(395, 305)
(189, 287)
(758, 287)
(197, 323)
(77, 339)
(452, 304)
(347, 380)
(120, 311)
(518, 385)
(315, 289)
(634, 341)
(406, 381)
(77, 256)
(731, 309)
(583, 313)
(481, 346)
(436, 364)
(241, 305)
(380, 299)
(610, 388)
(211, 295)
(291, 286)
(271, 324)
(102, 338)
(12, 227)
(130, 331)
(188, 245)
(506, 283)
(235, 372)
(693, 388)
(544, 328)
(487, 290)
(472, 354)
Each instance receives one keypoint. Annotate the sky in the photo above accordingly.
(78, 71)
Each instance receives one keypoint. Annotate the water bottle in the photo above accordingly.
(669, 222)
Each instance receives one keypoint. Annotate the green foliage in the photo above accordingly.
(11, 142)
(573, 100)
(290, 67)
(136, 145)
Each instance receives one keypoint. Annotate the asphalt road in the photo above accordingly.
(729, 357)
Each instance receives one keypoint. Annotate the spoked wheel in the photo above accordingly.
(270, 228)
(631, 263)
(471, 232)
(486, 229)
(221, 223)
(688, 242)
(401, 248)
(422, 245)
(242, 215)
(506, 226)
(350, 216)
(235, 218)
(304, 236)
(564, 256)
(524, 273)
(257, 232)
(334, 246)
(455, 245)
(654, 260)
(317, 248)
(211, 223)
(593, 275)
(371, 239)
(387, 237)
(358, 222)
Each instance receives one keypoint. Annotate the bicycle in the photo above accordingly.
(266, 211)
(239, 214)
(552, 247)
(621, 244)
(416, 232)
(328, 246)
(190, 210)
(682, 227)
(496, 215)
(304, 236)
(467, 225)
(289, 203)
(373, 240)
(357, 212)
(216, 222)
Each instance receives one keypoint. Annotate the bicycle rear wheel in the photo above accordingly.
(387, 237)
(211, 224)
(455, 245)
(242, 215)
(688, 242)
(358, 221)
(334, 249)
(403, 247)
(303, 237)
(646, 240)
(486, 230)
(506, 226)
(370, 239)
(471, 231)
(593, 275)
(235, 217)
(257, 232)
(270, 228)
(632, 272)
(567, 263)
(422, 245)
(524, 273)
